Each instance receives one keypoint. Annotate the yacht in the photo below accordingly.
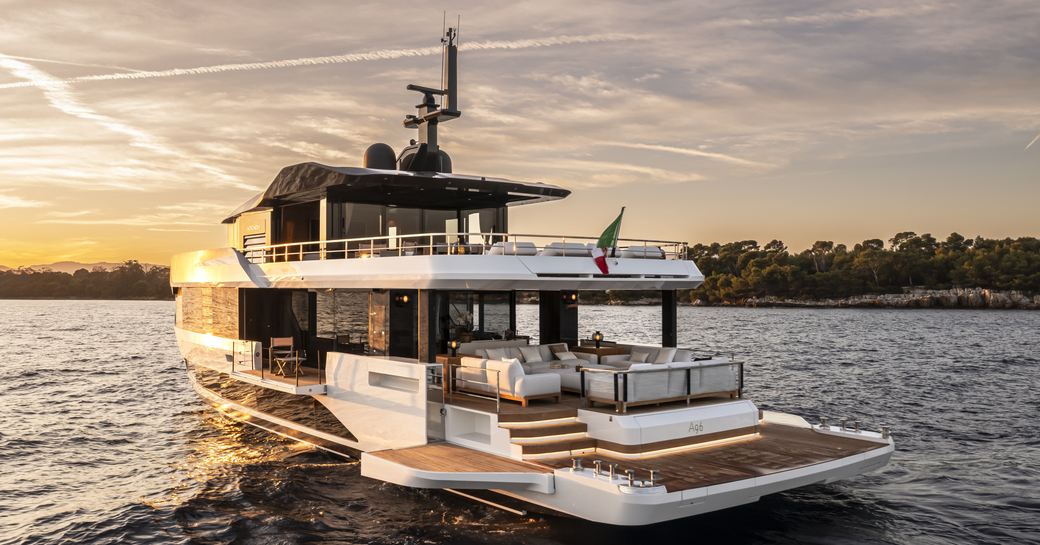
(372, 312)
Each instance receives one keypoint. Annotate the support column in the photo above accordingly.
(669, 318)
(557, 317)
(512, 312)
(428, 348)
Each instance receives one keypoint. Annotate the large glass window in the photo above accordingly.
(470, 315)
(483, 220)
(342, 316)
(401, 222)
(353, 220)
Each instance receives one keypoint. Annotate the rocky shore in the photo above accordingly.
(918, 298)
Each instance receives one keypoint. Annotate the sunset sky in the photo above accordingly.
(756, 119)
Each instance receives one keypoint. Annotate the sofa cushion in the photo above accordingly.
(638, 357)
(637, 350)
(531, 354)
(565, 356)
(559, 347)
(496, 353)
(514, 352)
(507, 375)
(468, 361)
(472, 372)
(664, 355)
(683, 356)
(638, 366)
(546, 352)
(535, 385)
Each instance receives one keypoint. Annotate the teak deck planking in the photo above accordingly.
(776, 448)
(451, 458)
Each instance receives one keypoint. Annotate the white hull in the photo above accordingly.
(579, 493)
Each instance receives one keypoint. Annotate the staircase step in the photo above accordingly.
(536, 415)
(549, 430)
(565, 445)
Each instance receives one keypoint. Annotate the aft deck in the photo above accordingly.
(773, 449)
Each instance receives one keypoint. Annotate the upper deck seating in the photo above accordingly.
(567, 249)
(641, 252)
(513, 248)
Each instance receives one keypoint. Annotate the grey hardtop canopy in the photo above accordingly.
(307, 182)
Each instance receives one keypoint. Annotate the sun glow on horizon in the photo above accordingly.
(796, 124)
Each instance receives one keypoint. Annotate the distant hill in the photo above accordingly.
(129, 280)
(73, 266)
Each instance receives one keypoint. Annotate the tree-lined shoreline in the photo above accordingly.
(910, 271)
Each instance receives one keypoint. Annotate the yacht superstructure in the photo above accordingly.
(372, 312)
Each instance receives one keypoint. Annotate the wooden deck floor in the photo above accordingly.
(308, 376)
(776, 448)
(452, 458)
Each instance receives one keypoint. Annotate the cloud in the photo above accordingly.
(14, 201)
(63, 99)
(377, 55)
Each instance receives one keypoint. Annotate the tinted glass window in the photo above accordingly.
(406, 221)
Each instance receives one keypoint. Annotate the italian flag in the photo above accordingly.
(607, 243)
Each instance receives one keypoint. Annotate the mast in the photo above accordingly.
(428, 154)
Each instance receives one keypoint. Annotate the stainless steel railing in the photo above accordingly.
(620, 379)
(457, 244)
(453, 381)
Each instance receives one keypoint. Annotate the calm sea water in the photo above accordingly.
(103, 441)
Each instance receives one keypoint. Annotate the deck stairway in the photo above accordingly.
(550, 437)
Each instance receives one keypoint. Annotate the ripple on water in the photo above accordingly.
(103, 441)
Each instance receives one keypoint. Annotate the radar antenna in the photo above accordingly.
(430, 114)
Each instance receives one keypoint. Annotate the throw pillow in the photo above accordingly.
(664, 355)
(638, 357)
(531, 354)
(556, 348)
(496, 353)
(514, 352)
(636, 350)
(565, 356)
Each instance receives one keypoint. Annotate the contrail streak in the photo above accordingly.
(1029, 145)
(63, 99)
(70, 63)
(382, 54)
(693, 153)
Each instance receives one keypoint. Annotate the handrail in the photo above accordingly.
(450, 243)
(646, 370)
(497, 388)
(620, 378)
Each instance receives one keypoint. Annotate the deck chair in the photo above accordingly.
(282, 355)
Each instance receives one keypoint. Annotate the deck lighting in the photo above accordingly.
(454, 346)
(402, 299)
(570, 297)
(598, 337)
